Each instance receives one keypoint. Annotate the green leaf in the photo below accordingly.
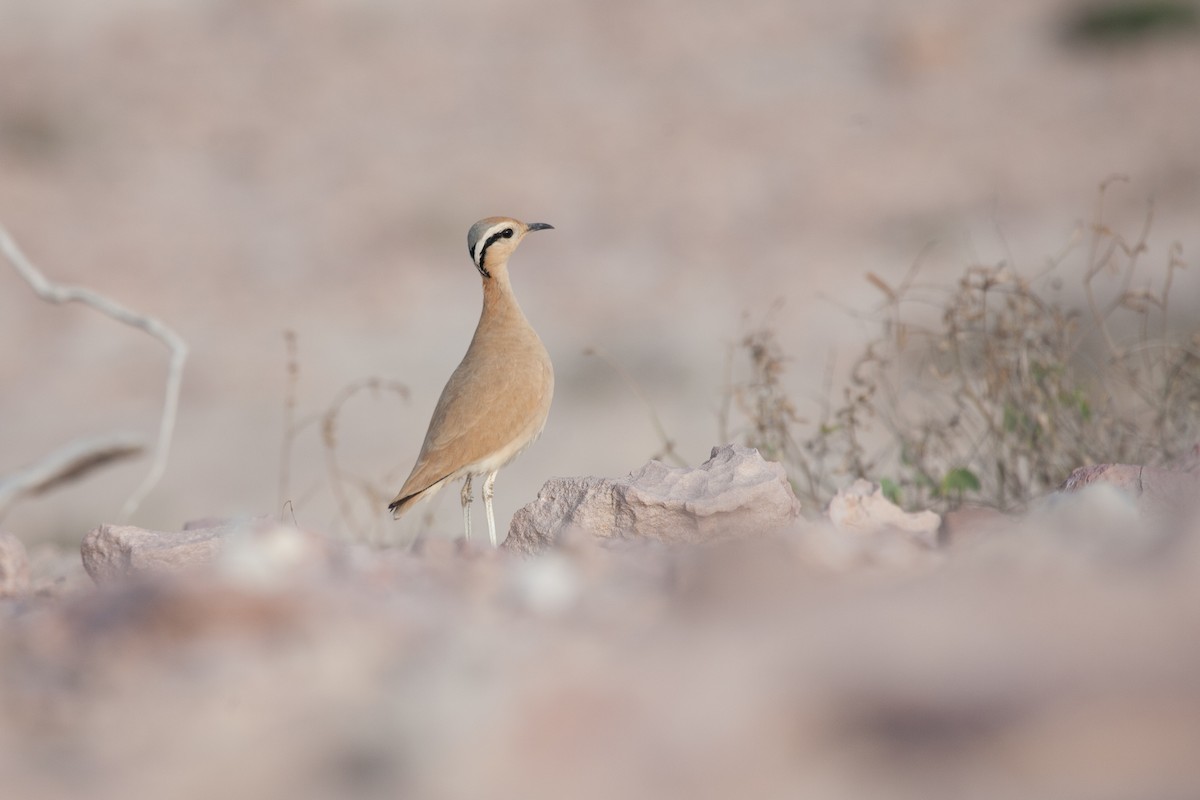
(890, 490)
(959, 480)
(1121, 21)
(1078, 400)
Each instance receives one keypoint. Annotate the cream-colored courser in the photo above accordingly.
(496, 402)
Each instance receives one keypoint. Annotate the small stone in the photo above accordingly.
(253, 551)
(1163, 495)
(112, 552)
(862, 507)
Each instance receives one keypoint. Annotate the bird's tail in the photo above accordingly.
(403, 501)
(401, 504)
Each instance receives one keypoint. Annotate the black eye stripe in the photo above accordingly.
(507, 233)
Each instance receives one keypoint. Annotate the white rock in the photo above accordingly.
(733, 495)
(862, 507)
(255, 550)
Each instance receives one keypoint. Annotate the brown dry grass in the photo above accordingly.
(1010, 385)
(360, 499)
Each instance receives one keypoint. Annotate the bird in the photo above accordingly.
(498, 398)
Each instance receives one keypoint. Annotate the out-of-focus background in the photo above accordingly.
(257, 173)
(243, 168)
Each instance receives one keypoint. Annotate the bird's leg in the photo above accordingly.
(466, 504)
(487, 504)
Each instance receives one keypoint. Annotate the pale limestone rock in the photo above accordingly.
(1165, 495)
(111, 552)
(862, 508)
(733, 495)
(257, 551)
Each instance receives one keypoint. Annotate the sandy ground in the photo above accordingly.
(243, 168)
(1050, 657)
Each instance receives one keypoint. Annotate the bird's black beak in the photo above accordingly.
(540, 226)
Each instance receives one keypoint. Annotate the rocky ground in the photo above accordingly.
(239, 168)
(870, 654)
(242, 168)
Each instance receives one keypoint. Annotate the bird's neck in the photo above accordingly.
(499, 302)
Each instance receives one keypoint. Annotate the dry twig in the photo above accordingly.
(372, 494)
(58, 294)
(68, 463)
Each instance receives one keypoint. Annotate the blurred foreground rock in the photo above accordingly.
(114, 552)
(735, 494)
(14, 565)
(1161, 494)
(1057, 658)
(862, 507)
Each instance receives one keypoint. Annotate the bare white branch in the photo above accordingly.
(54, 293)
(70, 462)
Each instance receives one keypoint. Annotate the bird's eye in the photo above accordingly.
(507, 233)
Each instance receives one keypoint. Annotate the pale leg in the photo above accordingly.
(466, 504)
(487, 504)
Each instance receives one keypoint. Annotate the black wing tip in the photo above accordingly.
(397, 505)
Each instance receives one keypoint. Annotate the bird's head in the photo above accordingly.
(491, 241)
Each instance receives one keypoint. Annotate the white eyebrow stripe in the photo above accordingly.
(482, 244)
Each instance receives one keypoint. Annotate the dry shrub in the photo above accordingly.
(1009, 390)
(359, 499)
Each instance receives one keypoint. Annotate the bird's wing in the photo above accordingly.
(480, 412)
